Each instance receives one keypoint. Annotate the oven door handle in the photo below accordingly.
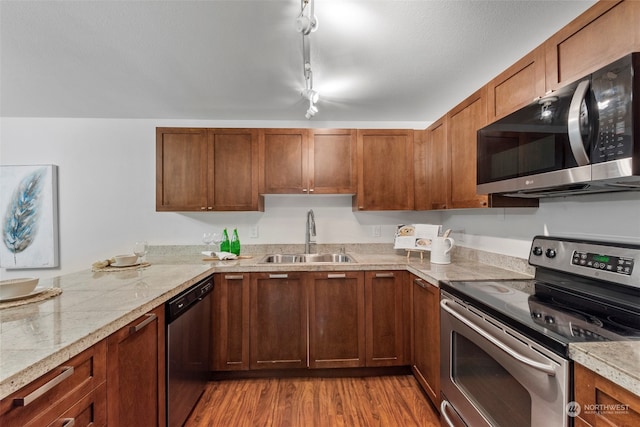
(547, 369)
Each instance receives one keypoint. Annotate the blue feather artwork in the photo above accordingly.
(29, 225)
(20, 225)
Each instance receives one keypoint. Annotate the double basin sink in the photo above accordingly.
(305, 258)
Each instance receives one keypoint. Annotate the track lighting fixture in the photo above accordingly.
(306, 23)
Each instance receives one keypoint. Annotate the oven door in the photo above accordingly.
(493, 376)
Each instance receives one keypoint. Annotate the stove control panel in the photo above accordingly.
(603, 262)
(599, 260)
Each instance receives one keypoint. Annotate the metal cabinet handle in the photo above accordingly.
(278, 276)
(68, 422)
(420, 283)
(547, 369)
(383, 275)
(150, 318)
(336, 275)
(234, 276)
(67, 371)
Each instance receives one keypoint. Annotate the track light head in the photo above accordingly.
(311, 95)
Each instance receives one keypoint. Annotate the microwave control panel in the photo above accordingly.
(612, 88)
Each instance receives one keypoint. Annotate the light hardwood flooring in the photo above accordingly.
(322, 402)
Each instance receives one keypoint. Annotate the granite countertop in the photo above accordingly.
(37, 337)
(618, 362)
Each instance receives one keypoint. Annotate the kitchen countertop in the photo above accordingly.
(37, 337)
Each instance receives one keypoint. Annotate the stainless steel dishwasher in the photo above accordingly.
(188, 339)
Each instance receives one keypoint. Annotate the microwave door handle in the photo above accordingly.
(547, 369)
(573, 124)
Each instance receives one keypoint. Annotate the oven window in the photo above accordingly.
(491, 389)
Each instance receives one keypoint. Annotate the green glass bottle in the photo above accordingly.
(225, 246)
(235, 242)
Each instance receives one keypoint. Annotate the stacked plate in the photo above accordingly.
(13, 289)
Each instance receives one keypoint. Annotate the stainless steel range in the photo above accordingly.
(504, 344)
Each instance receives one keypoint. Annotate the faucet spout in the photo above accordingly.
(310, 230)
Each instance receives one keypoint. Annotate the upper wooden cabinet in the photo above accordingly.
(385, 170)
(517, 86)
(332, 161)
(309, 161)
(605, 32)
(421, 157)
(207, 170)
(464, 122)
(439, 164)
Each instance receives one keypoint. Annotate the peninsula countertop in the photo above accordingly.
(37, 337)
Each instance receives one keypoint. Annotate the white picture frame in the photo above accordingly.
(29, 216)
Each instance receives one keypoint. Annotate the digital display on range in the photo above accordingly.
(610, 263)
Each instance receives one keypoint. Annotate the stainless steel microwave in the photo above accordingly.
(582, 138)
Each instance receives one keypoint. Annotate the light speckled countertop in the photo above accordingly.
(37, 337)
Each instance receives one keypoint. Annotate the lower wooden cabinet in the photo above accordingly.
(603, 403)
(230, 343)
(278, 318)
(426, 337)
(74, 392)
(136, 372)
(336, 320)
(384, 318)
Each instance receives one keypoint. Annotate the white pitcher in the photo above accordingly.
(441, 250)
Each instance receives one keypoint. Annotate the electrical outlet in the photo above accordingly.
(254, 232)
(376, 232)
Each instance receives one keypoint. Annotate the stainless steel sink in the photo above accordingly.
(305, 258)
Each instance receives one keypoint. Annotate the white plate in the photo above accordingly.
(124, 265)
(29, 295)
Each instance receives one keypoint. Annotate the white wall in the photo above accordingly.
(107, 199)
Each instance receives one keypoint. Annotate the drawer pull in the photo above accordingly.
(150, 318)
(420, 283)
(278, 276)
(68, 422)
(336, 276)
(67, 371)
(233, 277)
(383, 275)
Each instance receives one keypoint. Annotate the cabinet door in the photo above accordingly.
(464, 122)
(384, 318)
(605, 32)
(336, 320)
(136, 373)
(230, 344)
(517, 86)
(332, 161)
(385, 170)
(604, 403)
(278, 318)
(439, 164)
(233, 170)
(426, 337)
(285, 160)
(421, 153)
(181, 169)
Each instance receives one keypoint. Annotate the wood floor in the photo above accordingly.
(322, 402)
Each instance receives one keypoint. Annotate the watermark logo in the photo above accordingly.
(573, 409)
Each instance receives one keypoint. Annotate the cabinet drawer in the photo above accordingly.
(46, 398)
(91, 410)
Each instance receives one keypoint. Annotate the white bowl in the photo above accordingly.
(17, 287)
(125, 260)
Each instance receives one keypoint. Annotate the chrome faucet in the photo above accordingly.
(310, 231)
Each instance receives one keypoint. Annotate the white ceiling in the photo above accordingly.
(373, 60)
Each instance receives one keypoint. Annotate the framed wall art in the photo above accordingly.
(29, 215)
